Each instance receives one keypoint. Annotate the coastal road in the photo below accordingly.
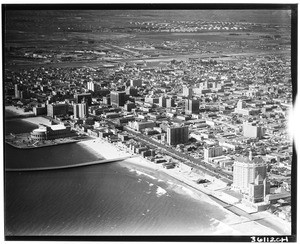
(181, 156)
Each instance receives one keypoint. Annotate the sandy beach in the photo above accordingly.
(185, 183)
(18, 111)
(36, 120)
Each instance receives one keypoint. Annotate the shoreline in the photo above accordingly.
(185, 183)
(17, 111)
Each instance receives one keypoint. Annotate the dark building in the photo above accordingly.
(57, 109)
(39, 110)
(177, 135)
(170, 103)
(21, 92)
(106, 100)
(162, 102)
(191, 106)
(129, 106)
(86, 96)
(131, 91)
(136, 83)
(117, 98)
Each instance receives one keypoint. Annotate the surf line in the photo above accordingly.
(68, 166)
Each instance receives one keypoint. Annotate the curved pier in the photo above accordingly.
(104, 161)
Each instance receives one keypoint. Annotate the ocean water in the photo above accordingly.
(107, 199)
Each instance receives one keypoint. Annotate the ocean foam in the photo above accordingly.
(142, 173)
(223, 229)
(160, 191)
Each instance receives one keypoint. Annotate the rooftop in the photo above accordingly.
(255, 160)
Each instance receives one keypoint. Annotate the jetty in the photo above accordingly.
(102, 161)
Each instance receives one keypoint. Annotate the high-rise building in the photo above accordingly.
(170, 103)
(129, 106)
(92, 86)
(162, 102)
(191, 106)
(241, 104)
(117, 98)
(86, 96)
(211, 152)
(17, 90)
(55, 109)
(250, 178)
(21, 92)
(177, 135)
(242, 109)
(252, 130)
(80, 110)
(106, 100)
(130, 90)
(151, 99)
(187, 91)
(136, 83)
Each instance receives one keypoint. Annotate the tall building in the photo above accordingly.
(211, 152)
(80, 110)
(252, 130)
(241, 104)
(136, 83)
(117, 98)
(106, 100)
(92, 86)
(177, 135)
(187, 91)
(86, 96)
(170, 103)
(17, 90)
(130, 90)
(192, 106)
(21, 92)
(250, 178)
(129, 106)
(55, 109)
(151, 99)
(162, 102)
(242, 109)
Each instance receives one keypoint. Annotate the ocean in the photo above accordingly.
(107, 199)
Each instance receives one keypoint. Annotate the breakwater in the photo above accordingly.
(68, 166)
(19, 116)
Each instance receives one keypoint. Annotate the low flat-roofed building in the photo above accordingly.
(141, 125)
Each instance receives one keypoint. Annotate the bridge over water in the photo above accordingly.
(103, 161)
